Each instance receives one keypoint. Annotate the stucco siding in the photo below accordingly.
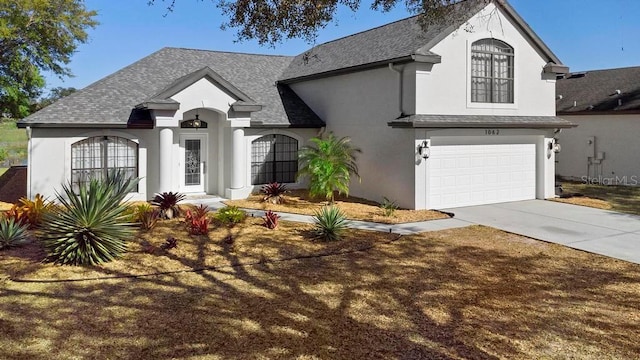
(445, 88)
(360, 105)
(614, 137)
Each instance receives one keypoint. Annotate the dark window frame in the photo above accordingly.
(265, 165)
(100, 146)
(490, 57)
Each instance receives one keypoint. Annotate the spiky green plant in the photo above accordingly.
(388, 207)
(12, 233)
(92, 226)
(328, 164)
(330, 223)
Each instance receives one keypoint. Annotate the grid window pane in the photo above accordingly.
(491, 72)
(192, 169)
(95, 157)
(274, 158)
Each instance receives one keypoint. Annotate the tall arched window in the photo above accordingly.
(94, 157)
(274, 158)
(491, 72)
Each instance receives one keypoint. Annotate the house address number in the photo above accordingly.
(492, 131)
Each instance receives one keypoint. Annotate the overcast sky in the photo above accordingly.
(584, 34)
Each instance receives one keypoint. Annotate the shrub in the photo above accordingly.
(12, 233)
(270, 220)
(230, 215)
(330, 223)
(148, 219)
(274, 192)
(329, 164)
(35, 209)
(17, 214)
(388, 207)
(168, 204)
(91, 227)
(197, 220)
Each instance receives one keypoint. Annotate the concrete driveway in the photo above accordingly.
(603, 232)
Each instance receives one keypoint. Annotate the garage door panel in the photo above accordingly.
(464, 175)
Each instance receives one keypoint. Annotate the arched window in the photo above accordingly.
(94, 157)
(491, 72)
(274, 158)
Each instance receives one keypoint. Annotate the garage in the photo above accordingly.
(475, 174)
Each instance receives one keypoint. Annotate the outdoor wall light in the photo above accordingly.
(553, 147)
(423, 150)
(196, 122)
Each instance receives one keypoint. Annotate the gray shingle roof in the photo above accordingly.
(480, 121)
(595, 91)
(395, 41)
(110, 101)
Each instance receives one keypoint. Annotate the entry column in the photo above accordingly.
(166, 144)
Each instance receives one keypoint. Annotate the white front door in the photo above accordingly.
(193, 163)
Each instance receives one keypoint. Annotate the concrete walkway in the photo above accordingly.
(400, 229)
(603, 232)
(608, 233)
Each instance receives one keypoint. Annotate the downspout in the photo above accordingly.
(401, 85)
(29, 168)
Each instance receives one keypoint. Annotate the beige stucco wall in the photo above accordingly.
(616, 137)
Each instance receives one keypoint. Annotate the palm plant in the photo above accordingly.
(328, 164)
(92, 226)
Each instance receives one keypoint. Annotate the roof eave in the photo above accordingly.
(449, 125)
(263, 125)
(24, 125)
(158, 106)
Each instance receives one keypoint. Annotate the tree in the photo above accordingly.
(328, 164)
(35, 36)
(55, 94)
(268, 21)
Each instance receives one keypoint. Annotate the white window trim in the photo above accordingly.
(516, 73)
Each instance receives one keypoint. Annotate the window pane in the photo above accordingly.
(491, 72)
(94, 157)
(274, 158)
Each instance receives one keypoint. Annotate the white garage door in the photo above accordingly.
(464, 175)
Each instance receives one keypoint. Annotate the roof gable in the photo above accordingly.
(401, 41)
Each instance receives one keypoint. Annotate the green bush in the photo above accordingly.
(328, 164)
(91, 227)
(230, 215)
(330, 223)
(388, 207)
(12, 233)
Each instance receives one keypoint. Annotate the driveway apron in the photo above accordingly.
(598, 231)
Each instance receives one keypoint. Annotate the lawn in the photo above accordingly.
(614, 197)
(13, 141)
(474, 292)
(299, 202)
(3, 170)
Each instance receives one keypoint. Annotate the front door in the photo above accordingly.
(193, 160)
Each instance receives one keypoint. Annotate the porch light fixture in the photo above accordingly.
(423, 150)
(553, 147)
(194, 124)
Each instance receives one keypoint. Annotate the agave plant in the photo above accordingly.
(330, 223)
(168, 203)
(12, 233)
(91, 227)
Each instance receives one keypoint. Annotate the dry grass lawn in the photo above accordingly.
(471, 293)
(585, 201)
(299, 202)
(619, 198)
(5, 206)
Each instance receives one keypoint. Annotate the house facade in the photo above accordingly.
(604, 148)
(456, 115)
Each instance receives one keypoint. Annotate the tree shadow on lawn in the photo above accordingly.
(466, 293)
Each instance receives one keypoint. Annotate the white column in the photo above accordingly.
(166, 170)
(238, 168)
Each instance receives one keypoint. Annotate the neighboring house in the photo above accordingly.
(604, 148)
(457, 115)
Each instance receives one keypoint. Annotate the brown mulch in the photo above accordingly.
(299, 202)
(470, 293)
